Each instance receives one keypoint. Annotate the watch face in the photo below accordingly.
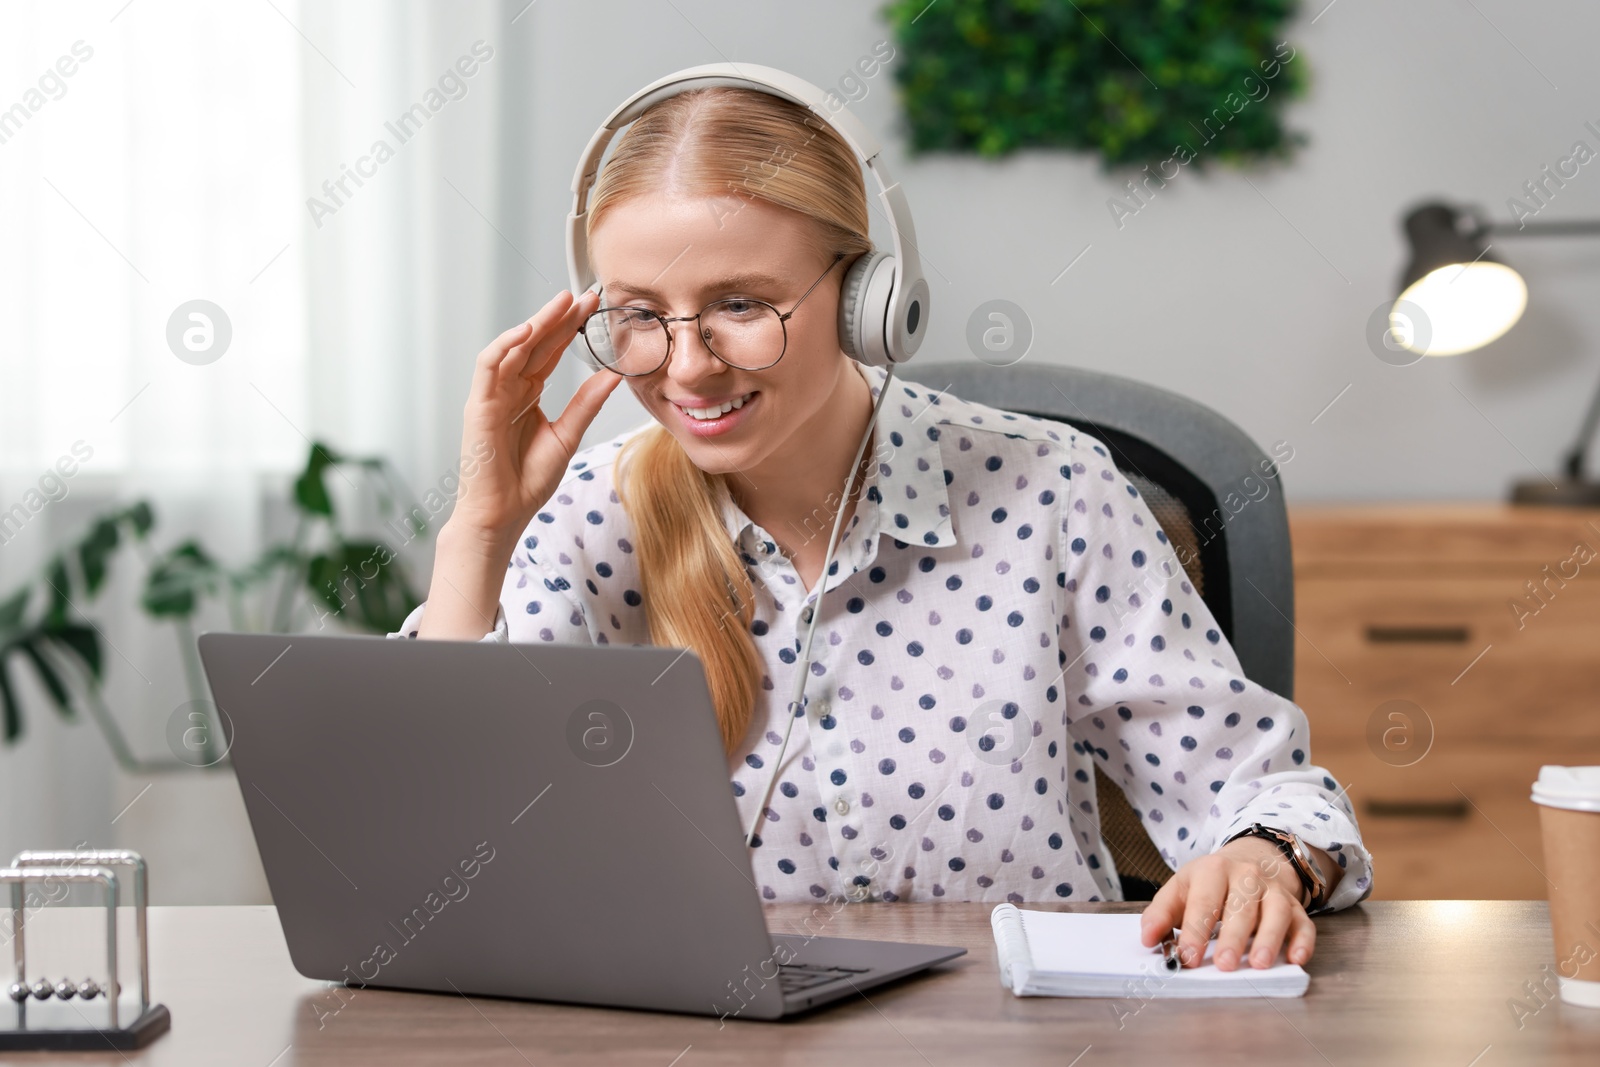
(1319, 881)
(1311, 877)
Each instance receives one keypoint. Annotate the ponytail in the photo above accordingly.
(697, 592)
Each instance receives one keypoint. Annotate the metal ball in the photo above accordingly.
(65, 989)
(88, 989)
(17, 991)
(42, 989)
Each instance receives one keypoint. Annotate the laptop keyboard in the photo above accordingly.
(794, 977)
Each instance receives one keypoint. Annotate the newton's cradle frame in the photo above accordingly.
(98, 1023)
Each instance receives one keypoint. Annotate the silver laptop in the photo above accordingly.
(549, 822)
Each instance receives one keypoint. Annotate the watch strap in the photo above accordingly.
(1313, 886)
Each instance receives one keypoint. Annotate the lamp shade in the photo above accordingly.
(1454, 296)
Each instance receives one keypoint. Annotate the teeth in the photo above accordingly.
(712, 413)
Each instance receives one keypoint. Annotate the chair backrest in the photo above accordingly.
(1217, 497)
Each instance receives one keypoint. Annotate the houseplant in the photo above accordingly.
(358, 582)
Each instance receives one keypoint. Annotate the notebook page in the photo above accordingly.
(1083, 943)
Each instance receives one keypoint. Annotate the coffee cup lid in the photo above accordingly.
(1576, 788)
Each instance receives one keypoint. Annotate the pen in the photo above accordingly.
(1169, 948)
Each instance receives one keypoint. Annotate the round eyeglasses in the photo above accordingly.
(744, 333)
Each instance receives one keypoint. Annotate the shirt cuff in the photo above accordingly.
(1325, 826)
(499, 635)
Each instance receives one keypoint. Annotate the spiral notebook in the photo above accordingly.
(1084, 954)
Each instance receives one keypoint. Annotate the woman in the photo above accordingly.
(1003, 611)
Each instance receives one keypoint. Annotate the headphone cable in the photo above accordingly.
(797, 704)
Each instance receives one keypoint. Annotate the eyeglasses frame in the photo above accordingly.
(783, 322)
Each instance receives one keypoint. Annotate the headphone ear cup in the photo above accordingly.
(855, 313)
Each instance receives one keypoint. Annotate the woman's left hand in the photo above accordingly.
(1252, 889)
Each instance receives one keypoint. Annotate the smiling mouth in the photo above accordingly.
(707, 414)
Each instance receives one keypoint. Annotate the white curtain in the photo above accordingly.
(157, 154)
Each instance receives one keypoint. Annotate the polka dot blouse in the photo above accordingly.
(1003, 614)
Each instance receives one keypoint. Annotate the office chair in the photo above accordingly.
(1191, 466)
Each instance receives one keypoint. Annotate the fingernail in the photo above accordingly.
(1225, 959)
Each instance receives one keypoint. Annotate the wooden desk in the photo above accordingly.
(1402, 982)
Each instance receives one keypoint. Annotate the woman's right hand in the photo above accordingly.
(512, 456)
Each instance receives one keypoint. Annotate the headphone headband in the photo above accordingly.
(905, 305)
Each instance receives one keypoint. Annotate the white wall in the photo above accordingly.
(1253, 300)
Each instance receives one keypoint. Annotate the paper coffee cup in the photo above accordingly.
(1569, 818)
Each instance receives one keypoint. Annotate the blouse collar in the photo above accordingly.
(905, 494)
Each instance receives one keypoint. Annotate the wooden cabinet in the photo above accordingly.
(1443, 653)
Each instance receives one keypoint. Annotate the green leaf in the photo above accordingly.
(82, 642)
(95, 550)
(310, 489)
(9, 709)
(177, 581)
(56, 576)
(143, 518)
(11, 611)
(47, 675)
(364, 583)
(322, 578)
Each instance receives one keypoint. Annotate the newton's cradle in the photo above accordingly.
(85, 1014)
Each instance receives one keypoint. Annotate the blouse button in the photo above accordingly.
(842, 806)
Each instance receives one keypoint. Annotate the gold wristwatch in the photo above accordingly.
(1311, 877)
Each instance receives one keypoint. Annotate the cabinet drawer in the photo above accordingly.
(1435, 537)
(1457, 824)
(1456, 648)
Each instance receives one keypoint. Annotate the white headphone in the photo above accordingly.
(883, 304)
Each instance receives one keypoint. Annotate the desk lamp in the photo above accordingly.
(1464, 298)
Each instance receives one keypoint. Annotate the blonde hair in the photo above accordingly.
(718, 141)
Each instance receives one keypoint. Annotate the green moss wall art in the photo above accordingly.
(1157, 84)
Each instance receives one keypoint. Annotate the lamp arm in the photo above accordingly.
(1580, 447)
(1566, 228)
(1560, 228)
